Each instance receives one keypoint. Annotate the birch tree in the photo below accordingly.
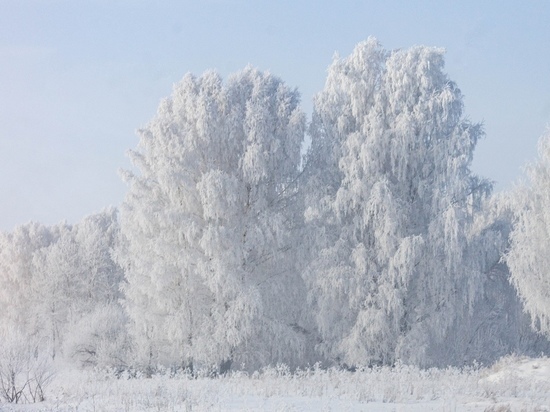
(207, 224)
(397, 151)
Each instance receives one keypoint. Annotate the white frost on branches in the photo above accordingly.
(394, 271)
(528, 258)
(207, 225)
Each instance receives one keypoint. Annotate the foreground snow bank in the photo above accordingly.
(519, 378)
(513, 384)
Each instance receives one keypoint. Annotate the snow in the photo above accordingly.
(513, 384)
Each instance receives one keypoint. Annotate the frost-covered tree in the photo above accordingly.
(528, 258)
(75, 275)
(17, 292)
(394, 269)
(497, 325)
(207, 225)
(96, 331)
(54, 286)
(54, 276)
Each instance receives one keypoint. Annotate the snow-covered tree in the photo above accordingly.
(96, 330)
(528, 258)
(207, 225)
(17, 294)
(497, 325)
(52, 277)
(54, 286)
(75, 275)
(394, 271)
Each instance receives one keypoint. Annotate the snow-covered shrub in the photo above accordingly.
(99, 339)
(25, 368)
(521, 383)
(515, 376)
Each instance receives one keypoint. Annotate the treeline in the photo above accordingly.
(233, 250)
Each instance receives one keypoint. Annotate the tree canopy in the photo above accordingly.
(239, 245)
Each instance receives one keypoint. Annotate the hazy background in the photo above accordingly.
(78, 77)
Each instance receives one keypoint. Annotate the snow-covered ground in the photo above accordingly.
(513, 384)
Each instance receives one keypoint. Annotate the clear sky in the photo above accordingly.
(77, 78)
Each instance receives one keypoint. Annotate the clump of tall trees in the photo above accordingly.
(234, 248)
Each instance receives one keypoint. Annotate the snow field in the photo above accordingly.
(513, 384)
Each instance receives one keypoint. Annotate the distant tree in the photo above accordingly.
(394, 268)
(53, 276)
(207, 225)
(75, 275)
(528, 258)
(17, 293)
(96, 332)
(55, 287)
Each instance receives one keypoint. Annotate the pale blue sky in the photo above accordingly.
(78, 77)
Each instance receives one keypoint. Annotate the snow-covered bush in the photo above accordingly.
(26, 369)
(99, 339)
